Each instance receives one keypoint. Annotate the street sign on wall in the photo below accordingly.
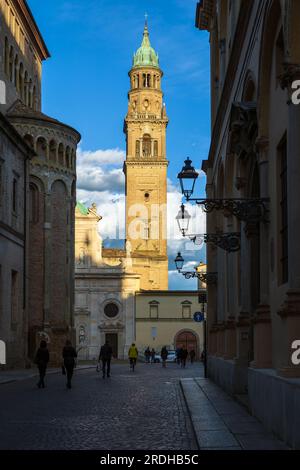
(199, 316)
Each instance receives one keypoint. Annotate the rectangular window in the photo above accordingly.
(153, 311)
(14, 297)
(283, 231)
(154, 332)
(186, 311)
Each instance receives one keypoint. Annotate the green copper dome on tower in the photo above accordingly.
(145, 56)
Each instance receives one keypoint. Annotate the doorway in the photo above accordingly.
(187, 340)
(112, 338)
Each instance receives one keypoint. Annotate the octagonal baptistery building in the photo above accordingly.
(52, 199)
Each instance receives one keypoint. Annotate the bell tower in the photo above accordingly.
(145, 169)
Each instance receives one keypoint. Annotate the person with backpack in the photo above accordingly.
(69, 355)
(41, 359)
(133, 355)
(105, 357)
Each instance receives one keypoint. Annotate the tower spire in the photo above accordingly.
(145, 55)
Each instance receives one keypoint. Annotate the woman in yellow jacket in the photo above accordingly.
(132, 354)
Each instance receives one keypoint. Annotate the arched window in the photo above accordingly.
(16, 75)
(147, 145)
(25, 95)
(29, 141)
(30, 98)
(6, 57)
(61, 153)
(52, 150)
(21, 81)
(33, 203)
(11, 63)
(41, 148)
(146, 80)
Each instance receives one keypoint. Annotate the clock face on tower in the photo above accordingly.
(146, 168)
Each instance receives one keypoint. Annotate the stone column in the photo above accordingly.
(290, 311)
(222, 46)
(141, 147)
(152, 147)
(230, 338)
(262, 328)
(47, 259)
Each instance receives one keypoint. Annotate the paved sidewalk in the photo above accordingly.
(221, 423)
(8, 376)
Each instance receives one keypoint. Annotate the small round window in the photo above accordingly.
(111, 310)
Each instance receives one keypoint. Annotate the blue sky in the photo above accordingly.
(85, 84)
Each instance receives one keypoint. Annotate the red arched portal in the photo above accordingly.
(188, 340)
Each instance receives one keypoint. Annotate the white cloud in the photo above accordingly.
(96, 170)
(102, 183)
(101, 157)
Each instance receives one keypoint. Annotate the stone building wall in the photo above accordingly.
(253, 311)
(14, 164)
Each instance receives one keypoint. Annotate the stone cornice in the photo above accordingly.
(29, 22)
(146, 163)
(234, 60)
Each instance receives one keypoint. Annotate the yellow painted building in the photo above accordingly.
(165, 318)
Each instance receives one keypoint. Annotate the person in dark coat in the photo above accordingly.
(184, 357)
(147, 354)
(164, 355)
(41, 359)
(152, 355)
(105, 356)
(69, 355)
(192, 356)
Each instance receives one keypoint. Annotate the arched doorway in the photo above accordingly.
(187, 339)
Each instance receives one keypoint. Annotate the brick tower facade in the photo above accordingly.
(145, 169)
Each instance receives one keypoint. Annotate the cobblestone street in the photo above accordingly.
(141, 410)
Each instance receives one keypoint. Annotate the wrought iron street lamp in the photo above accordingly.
(230, 241)
(251, 210)
(187, 178)
(179, 261)
(183, 219)
(208, 278)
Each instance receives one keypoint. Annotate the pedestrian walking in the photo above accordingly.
(179, 356)
(164, 355)
(184, 357)
(133, 355)
(192, 356)
(105, 357)
(69, 355)
(147, 354)
(153, 353)
(41, 359)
